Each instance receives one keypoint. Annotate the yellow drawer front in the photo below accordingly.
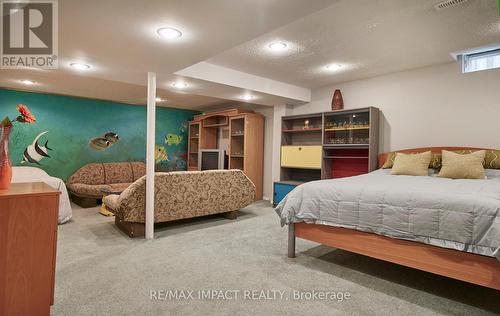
(301, 157)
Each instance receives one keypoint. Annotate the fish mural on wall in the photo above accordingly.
(160, 154)
(104, 142)
(71, 128)
(34, 153)
(183, 127)
(173, 139)
(176, 162)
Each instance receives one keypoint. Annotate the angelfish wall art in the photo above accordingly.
(36, 152)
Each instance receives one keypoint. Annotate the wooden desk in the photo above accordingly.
(28, 241)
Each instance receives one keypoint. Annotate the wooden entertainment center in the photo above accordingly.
(239, 132)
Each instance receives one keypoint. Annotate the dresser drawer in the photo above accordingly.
(307, 157)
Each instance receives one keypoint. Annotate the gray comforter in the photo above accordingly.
(457, 214)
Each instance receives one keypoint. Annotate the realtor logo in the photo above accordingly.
(29, 34)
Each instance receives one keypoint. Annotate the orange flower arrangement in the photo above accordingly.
(25, 116)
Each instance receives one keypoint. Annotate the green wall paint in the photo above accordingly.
(72, 122)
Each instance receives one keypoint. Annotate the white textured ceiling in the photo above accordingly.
(369, 38)
(118, 38)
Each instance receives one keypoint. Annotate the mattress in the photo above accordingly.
(456, 214)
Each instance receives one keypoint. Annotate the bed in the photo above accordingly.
(32, 174)
(448, 227)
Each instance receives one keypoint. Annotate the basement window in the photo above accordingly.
(481, 61)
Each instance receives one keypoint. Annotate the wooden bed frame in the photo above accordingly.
(468, 267)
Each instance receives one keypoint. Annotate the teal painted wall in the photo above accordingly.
(73, 122)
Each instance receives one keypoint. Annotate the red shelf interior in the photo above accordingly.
(349, 166)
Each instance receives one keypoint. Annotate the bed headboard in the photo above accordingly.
(383, 157)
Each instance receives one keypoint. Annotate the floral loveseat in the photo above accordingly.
(86, 185)
(182, 194)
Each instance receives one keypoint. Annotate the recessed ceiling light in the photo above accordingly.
(333, 67)
(246, 97)
(27, 82)
(169, 33)
(79, 66)
(179, 85)
(277, 46)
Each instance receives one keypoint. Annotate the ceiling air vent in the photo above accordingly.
(448, 4)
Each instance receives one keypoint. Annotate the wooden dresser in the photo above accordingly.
(28, 240)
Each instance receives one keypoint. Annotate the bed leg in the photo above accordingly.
(291, 240)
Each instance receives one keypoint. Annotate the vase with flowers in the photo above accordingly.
(6, 126)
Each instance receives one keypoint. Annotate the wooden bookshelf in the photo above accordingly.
(193, 145)
(348, 142)
(245, 133)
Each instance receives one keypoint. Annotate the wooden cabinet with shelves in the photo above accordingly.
(332, 144)
(193, 145)
(350, 142)
(244, 135)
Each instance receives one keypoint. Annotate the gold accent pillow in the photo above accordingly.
(434, 164)
(462, 166)
(412, 164)
(491, 159)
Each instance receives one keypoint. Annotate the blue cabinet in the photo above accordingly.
(281, 189)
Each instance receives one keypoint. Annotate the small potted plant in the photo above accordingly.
(6, 125)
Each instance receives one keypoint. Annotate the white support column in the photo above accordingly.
(150, 156)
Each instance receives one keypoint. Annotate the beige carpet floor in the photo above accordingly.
(101, 271)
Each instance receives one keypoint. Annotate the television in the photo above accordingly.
(210, 159)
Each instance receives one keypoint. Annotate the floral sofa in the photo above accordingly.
(86, 185)
(182, 194)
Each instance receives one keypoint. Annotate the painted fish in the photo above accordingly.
(111, 137)
(99, 143)
(104, 142)
(183, 127)
(160, 154)
(173, 139)
(178, 162)
(34, 152)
